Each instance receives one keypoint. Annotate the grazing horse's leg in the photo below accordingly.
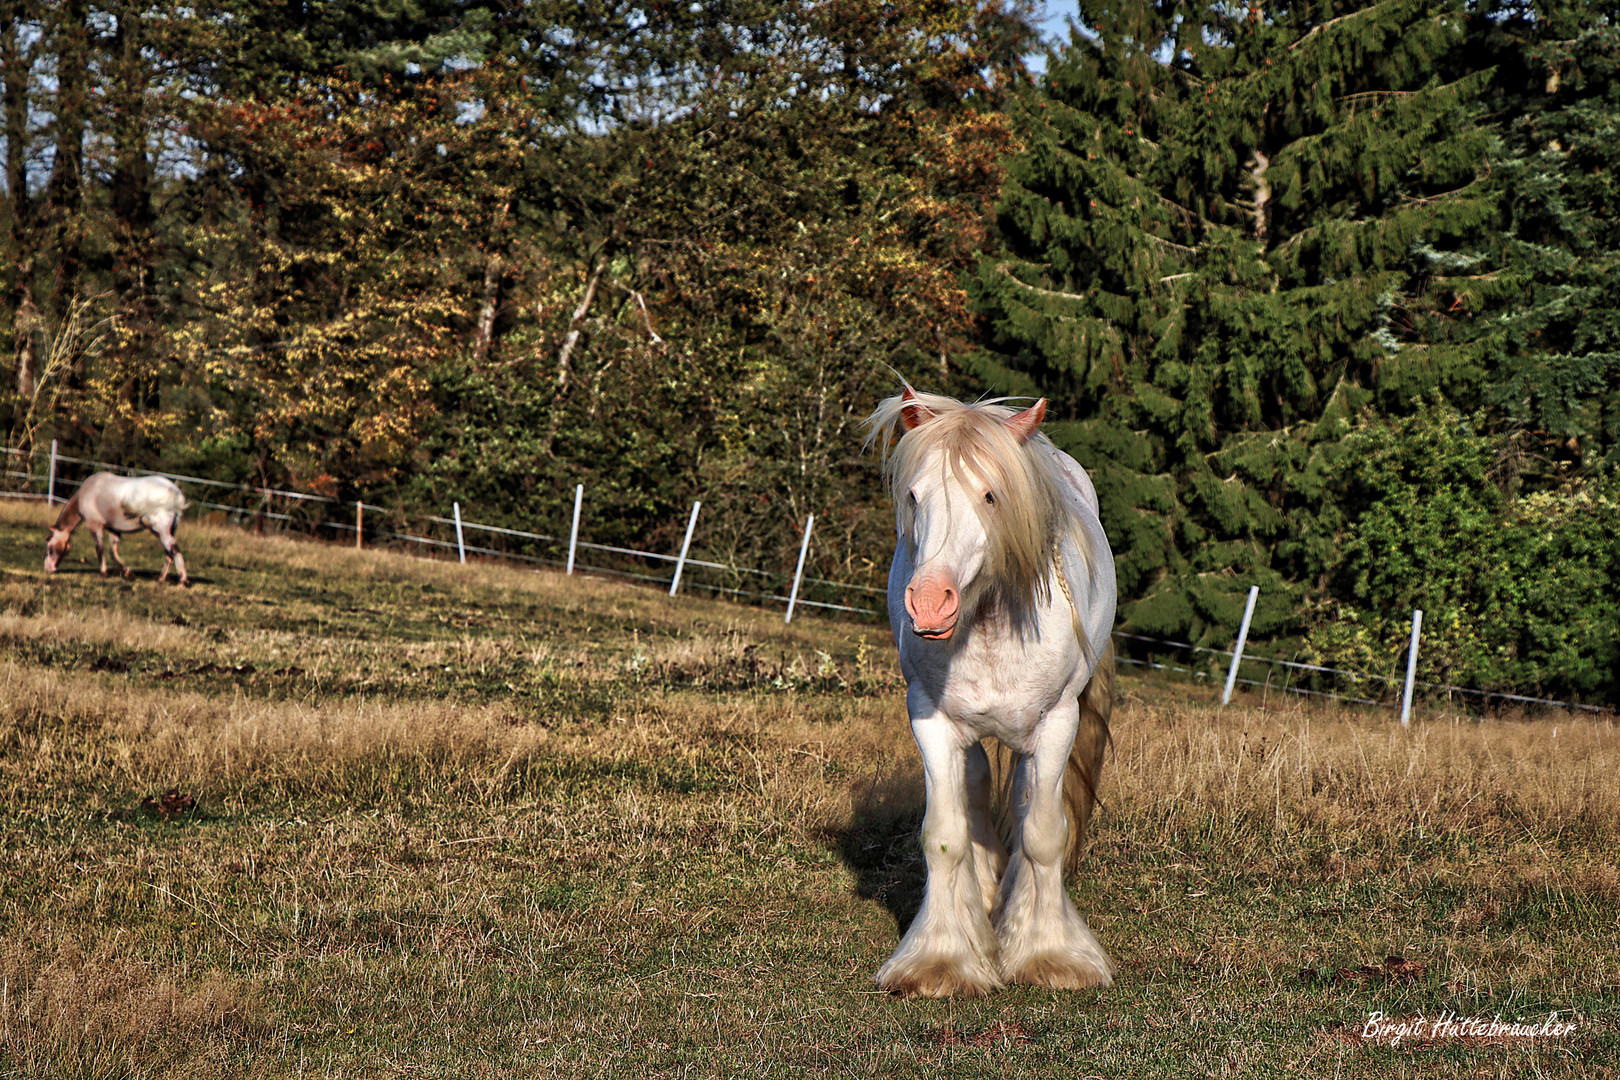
(128, 573)
(950, 947)
(164, 529)
(101, 548)
(989, 857)
(168, 559)
(1043, 939)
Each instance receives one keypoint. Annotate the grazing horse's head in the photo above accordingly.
(977, 505)
(55, 548)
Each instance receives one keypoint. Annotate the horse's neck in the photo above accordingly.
(70, 517)
(999, 615)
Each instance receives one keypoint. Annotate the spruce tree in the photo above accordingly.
(1231, 230)
(1499, 521)
(1555, 351)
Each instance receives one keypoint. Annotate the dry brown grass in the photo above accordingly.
(475, 821)
(1362, 778)
(146, 738)
(65, 1013)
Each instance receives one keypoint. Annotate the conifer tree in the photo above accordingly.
(1555, 352)
(1231, 229)
(1499, 521)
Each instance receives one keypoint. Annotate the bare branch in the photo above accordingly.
(578, 322)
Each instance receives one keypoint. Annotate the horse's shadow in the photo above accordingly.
(136, 577)
(880, 844)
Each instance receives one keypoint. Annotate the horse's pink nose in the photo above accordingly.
(933, 604)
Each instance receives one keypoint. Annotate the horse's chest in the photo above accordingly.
(1001, 689)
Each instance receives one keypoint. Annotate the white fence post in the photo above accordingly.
(1411, 667)
(461, 546)
(359, 522)
(573, 535)
(1237, 651)
(680, 563)
(50, 490)
(804, 548)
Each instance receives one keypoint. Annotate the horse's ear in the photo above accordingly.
(914, 412)
(1024, 424)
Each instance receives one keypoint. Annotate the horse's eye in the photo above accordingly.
(990, 497)
(912, 495)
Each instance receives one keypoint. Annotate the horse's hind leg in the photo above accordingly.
(1086, 759)
(950, 947)
(1043, 939)
(989, 856)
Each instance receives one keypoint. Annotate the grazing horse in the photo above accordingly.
(1001, 600)
(109, 503)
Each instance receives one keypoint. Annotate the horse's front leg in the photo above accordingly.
(1043, 939)
(950, 947)
(101, 547)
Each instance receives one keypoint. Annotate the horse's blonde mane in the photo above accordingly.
(1030, 518)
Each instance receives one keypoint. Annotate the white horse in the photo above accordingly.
(109, 503)
(1001, 600)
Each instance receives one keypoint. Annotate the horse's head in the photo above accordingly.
(55, 548)
(973, 507)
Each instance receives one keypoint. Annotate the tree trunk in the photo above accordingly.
(132, 170)
(72, 58)
(70, 37)
(486, 315)
(15, 262)
(1262, 194)
(23, 333)
(131, 203)
(14, 65)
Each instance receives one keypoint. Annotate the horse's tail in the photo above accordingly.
(1083, 772)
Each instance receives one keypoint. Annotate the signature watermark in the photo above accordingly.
(1448, 1025)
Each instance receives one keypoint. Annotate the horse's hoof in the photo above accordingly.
(940, 979)
(1058, 973)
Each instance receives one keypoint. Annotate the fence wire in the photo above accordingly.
(381, 534)
(768, 596)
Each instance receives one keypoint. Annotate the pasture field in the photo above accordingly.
(346, 814)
